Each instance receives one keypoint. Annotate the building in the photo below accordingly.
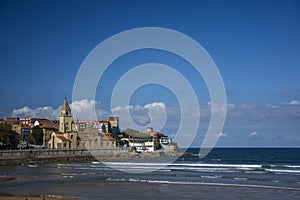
(114, 126)
(17, 128)
(85, 134)
(103, 126)
(149, 146)
(137, 146)
(157, 137)
(27, 121)
(25, 131)
(65, 118)
(92, 139)
(48, 127)
(12, 120)
(65, 138)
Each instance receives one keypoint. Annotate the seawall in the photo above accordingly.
(51, 155)
(9, 157)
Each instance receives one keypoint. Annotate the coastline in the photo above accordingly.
(222, 173)
(75, 155)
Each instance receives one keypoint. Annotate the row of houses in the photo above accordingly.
(67, 133)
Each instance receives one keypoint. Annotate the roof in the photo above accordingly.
(103, 121)
(66, 106)
(49, 127)
(108, 138)
(62, 138)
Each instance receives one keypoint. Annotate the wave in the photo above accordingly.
(283, 171)
(184, 166)
(202, 183)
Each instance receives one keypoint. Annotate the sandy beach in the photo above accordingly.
(32, 198)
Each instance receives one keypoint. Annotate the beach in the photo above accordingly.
(224, 173)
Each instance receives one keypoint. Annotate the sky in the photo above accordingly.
(254, 44)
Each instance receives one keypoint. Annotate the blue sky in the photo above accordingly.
(255, 45)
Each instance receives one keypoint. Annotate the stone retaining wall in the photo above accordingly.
(54, 155)
(77, 155)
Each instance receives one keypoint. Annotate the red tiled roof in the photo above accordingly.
(62, 138)
(108, 138)
(102, 121)
(49, 127)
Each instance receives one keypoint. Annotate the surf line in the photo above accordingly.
(209, 184)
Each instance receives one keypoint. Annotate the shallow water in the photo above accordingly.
(224, 173)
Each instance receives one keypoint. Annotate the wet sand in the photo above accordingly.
(28, 198)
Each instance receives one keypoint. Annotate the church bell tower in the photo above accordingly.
(65, 118)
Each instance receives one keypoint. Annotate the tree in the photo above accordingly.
(134, 133)
(9, 139)
(36, 136)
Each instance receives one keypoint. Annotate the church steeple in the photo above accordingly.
(65, 118)
(65, 109)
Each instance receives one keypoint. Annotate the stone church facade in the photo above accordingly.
(65, 138)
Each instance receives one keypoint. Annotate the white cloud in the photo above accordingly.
(80, 110)
(141, 116)
(155, 105)
(295, 103)
(220, 107)
(253, 134)
(84, 109)
(40, 112)
(221, 135)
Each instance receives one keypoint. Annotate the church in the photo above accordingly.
(67, 136)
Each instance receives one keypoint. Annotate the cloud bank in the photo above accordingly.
(274, 125)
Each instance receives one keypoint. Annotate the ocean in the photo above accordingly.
(227, 173)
